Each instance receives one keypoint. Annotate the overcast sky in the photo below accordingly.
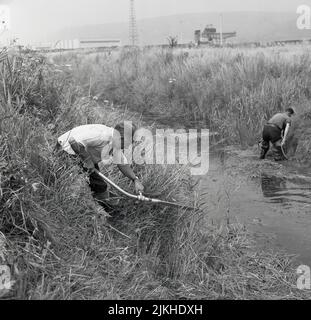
(33, 18)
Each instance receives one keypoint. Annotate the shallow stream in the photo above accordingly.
(273, 200)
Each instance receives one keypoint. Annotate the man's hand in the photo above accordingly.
(90, 169)
(80, 150)
(139, 188)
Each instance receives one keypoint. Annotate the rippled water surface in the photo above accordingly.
(277, 209)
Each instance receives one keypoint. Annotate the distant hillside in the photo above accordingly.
(250, 26)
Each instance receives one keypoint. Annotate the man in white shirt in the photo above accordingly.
(97, 143)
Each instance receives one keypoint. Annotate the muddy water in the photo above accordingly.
(272, 200)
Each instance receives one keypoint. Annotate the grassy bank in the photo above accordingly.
(59, 244)
(230, 91)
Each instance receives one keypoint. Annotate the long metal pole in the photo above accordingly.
(140, 197)
(133, 25)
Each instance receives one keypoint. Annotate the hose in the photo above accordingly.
(141, 197)
(284, 155)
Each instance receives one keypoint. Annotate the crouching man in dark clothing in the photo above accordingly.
(276, 131)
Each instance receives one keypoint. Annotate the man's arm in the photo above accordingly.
(124, 167)
(80, 150)
(129, 173)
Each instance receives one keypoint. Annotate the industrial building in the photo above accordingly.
(211, 36)
(98, 43)
(85, 43)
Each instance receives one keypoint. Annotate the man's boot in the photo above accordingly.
(278, 154)
(107, 200)
(264, 148)
(263, 152)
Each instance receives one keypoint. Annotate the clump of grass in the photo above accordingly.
(227, 265)
(31, 84)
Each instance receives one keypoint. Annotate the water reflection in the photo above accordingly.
(282, 190)
(271, 187)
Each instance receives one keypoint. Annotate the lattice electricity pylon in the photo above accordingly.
(133, 25)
